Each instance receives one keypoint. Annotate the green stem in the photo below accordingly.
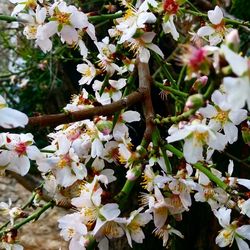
(166, 160)
(33, 216)
(209, 91)
(227, 20)
(9, 18)
(175, 119)
(104, 17)
(200, 167)
(164, 67)
(170, 89)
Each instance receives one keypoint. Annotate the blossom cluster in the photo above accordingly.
(84, 159)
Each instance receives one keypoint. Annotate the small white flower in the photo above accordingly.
(224, 116)
(231, 231)
(217, 30)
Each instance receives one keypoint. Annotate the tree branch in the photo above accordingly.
(110, 109)
(145, 81)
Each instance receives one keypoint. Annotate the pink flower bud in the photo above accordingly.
(233, 39)
(194, 101)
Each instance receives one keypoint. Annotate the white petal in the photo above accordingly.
(192, 152)
(242, 245)
(238, 63)
(11, 118)
(244, 231)
(205, 31)
(231, 132)
(215, 16)
(131, 116)
(237, 116)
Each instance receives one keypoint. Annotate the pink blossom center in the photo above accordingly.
(170, 6)
(198, 56)
(21, 148)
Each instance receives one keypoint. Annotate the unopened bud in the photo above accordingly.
(194, 101)
(245, 131)
(200, 83)
(133, 173)
(104, 126)
(233, 40)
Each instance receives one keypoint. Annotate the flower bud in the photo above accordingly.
(133, 173)
(245, 131)
(104, 126)
(233, 40)
(200, 83)
(194, 101)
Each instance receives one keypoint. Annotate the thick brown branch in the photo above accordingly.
(145, 84)
(57, 119)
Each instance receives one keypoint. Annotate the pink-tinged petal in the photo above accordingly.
(41, 14)
(11, 118)
(218, 141)
(145, 17)
(49, 29)
(83, 49)
(244, 231)
(79, 20)
(18, 9)
(144, 55)
(237, 90)
(215, 16)
(63, 145)
(118, 84)
(223, 215)
(117, 95)
(178, 135)
(238, 63)
(69, 34)
(96, 148)
(209, 111)
(33, 153)
(215, 39)
(20, 165)
(120, 132)
(131, 116)
(169, 27)
(244, 182)
(237, 116)
(65, 177)
(192, 152)
(242, 245)
(205, 31)
(103, 244)
(45, 45)
(156, 49)
(91, 31)
(148, 37)
(218, 98)
(231, 132)
(110, 211)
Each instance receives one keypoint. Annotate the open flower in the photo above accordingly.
(231, 231)
(196, 135)
(224, 116)
(215, 31)
(88, 72)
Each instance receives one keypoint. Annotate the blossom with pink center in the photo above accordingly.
(18, 152)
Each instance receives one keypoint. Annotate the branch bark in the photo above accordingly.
(110, 109)
(145, 81)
